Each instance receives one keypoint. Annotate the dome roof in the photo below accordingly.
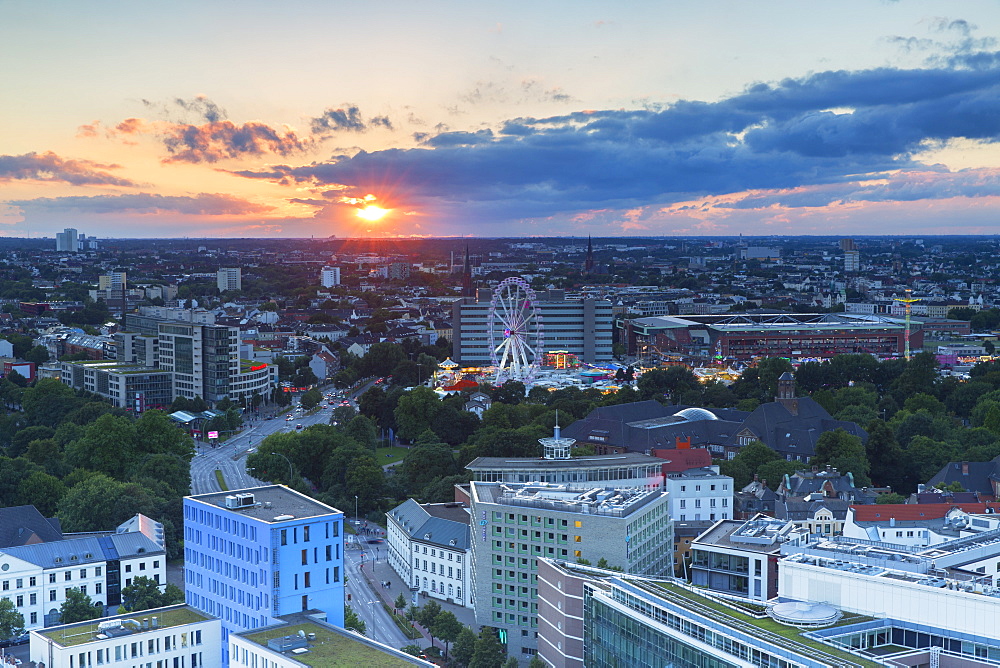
(694, 414)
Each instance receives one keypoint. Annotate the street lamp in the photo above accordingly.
(289, 465)
(355, 507)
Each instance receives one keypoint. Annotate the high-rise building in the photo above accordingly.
(230, 278)
(203, 358)
(114, 280)
(580, 327)
(852, 261)
(251, 556)
(329, 277)
(67, 241)
(515, 524)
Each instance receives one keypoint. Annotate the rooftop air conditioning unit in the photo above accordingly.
(244, 500)
(231, 502)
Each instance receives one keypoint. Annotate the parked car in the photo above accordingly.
(16, 640)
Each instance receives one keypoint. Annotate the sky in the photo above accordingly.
(300, 118)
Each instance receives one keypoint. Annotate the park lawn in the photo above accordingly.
(390, 455)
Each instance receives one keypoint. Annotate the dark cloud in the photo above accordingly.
(196, 109)
(50, 167)
(347, 118)
(203, 204)
(224, 139)
(827, 128)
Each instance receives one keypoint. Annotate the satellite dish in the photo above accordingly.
(302, 634)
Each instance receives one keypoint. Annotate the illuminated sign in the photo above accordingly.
(258, 367)
(213, 434)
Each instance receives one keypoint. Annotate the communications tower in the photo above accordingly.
(908, 300)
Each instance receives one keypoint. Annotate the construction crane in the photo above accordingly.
(908, 301)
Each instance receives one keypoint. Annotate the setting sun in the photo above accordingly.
(372, 213)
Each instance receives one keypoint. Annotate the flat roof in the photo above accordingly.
(70, 635)
(597, 462)
(331, 648)
(270, 503)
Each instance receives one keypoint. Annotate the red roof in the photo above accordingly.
(683, 459)
(463, 384)
(915, 511)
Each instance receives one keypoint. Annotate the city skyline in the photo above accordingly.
(875, 117)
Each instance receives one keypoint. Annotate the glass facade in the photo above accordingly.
(612, 639)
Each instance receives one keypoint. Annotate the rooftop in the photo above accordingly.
(71, 635)
(329, 647)
(562, 498)
(272, 503)
(598, 462)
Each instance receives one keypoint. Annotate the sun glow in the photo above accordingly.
(372, 213)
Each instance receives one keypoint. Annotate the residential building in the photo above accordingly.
(518, 523)
(307, 640)
(826, 482)
(852, 261)
(39, 566)
(115, 280)
(581, 327)
(329, 277)
(253, 555)
(229, 278)
(429, 547)
(700, 494)
(981, 477)
(740, 558)
(67, 241)
(177, 635)
(916, 524)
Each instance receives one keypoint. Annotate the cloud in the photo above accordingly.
(197, 109)
(203, 204)
(834, 127)
(347, 118)
(50, 167)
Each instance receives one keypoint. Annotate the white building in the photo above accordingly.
(852, 261)
(429, 549)
(175, 636)
(305, 640)
(329, 277)
(700, 494)
(36, 577)
(229, 278)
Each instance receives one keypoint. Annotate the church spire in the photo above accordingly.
(588, 265)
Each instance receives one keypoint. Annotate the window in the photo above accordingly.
(97, 588)
(20, 600)
(20, 583)
(97, 571)
(68, 576)
(578, 524)
(683, 504)
(142, 565)
(128, 569)
(308, 579)
(52, 579)
(305, 533)
(305, 557)
(83, 573)
(697, 503)
(32, 599)
(52, 594)
(284, 536)
(32, 581)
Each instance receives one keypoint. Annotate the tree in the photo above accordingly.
(143, 594)
(427, 461)
(536, 662)
(670, 382)
(489, 653)
(511, 662)
(446, 627)
(77, 608)
(428, 613)
(845, 452)
(311, 399)
(465, 646)
(399, 603)
(11, 621)
(352, 621)
(892, 497)
(39, 355)
(415, 411)
(362, 430)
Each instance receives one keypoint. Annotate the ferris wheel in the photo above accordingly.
(514, 316)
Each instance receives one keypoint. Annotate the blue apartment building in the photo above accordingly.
(254, 555)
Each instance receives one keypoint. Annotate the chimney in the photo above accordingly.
(965, 468)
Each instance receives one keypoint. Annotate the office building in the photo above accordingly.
(130, 386)
(601, 619)
(176, 635)
(39, 565)
(515, 524)
(306, 640)
(579, 327)
(329, 277)
(254, 555)
(428, 546)
(115, 280)
(229, 278)
(740, 558)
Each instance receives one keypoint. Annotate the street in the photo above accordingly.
(379, 624)
(230, 457)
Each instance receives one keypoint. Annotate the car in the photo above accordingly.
(298, 426)
(375, 540)
(16, 640)
(288, 419)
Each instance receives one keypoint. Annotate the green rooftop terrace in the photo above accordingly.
(84, 632)
(789, 637)
(330, 649)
